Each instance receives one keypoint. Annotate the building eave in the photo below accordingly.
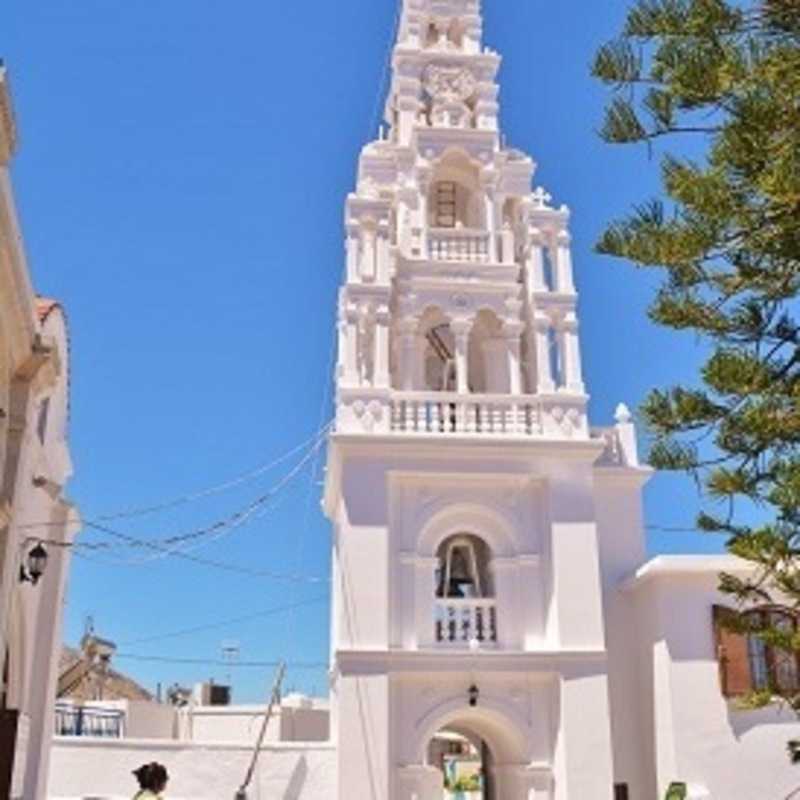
(682, 566)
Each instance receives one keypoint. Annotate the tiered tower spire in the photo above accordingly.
(459, 276)
(462, 477)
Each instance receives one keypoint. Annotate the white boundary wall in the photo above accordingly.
(100, 769)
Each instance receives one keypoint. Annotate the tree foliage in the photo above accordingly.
(725, 235)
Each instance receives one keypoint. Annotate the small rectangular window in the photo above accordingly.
(621, 791)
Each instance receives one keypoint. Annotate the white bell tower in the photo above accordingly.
(462, 475)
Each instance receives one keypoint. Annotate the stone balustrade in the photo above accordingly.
(458, 244)
(459, 621)
(449, 412)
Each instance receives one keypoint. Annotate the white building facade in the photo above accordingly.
(484, 534)
(34, 468)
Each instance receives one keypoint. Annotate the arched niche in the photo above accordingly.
(455, 198)
(438, 349)
(489, 524)
(464, 568)
(487, 356)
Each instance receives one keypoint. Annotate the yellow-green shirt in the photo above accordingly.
(146, 795)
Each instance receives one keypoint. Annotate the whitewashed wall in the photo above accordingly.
(696, 735)
(101, 770)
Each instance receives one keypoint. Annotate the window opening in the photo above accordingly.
(621, 791)
(772, 667)
(446, 204)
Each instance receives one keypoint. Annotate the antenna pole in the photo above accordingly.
(274, 699)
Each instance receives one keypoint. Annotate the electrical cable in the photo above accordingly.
(220, 663)
(196, 495)
(214, 530)
(239, 518)
(208, 562)
(225, 623)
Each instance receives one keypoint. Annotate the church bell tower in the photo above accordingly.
(462, 482)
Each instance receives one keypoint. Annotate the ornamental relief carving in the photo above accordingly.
(449, 84)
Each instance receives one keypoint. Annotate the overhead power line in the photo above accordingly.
(227, 622)
(216, 662)
(194, 495)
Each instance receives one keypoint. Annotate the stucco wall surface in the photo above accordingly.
(698, 736)
(101, 770)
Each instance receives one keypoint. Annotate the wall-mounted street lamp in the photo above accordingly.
(34, 565)
(473, 693)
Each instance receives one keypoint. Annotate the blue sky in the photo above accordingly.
(180, 181)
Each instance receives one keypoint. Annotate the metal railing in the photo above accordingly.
(97, 722)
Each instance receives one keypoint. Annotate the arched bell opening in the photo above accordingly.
(487, 355)
(439, 366)
(463, 569)
(465, 609)
(455, 199)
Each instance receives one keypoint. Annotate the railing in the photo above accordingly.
(462, 620)
(80, 721)
(446, 412)
(458, 244)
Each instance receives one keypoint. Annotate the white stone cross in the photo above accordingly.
(541, 198)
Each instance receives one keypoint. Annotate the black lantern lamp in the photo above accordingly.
(34, 566)
(472, 694)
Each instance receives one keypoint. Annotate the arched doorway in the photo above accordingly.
(476, 747)
(465, 762)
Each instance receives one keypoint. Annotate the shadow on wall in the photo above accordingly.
(742, 720)
(297, 781)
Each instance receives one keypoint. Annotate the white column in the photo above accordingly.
(491, 223)
(544, 373)
(536, 277)
(382, 254)
(424, 188)
(583, 758)
(507, 606)
(564, 281)
(573, 377)
(461, 329)
(350, 376)
(508, 244)
(352, 247)
(47, 649)
(512, 331)
(407, 334)
(380, 378)
(425, 600)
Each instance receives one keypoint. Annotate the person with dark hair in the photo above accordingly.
(152, 779)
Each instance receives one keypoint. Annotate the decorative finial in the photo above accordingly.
(623, 415)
